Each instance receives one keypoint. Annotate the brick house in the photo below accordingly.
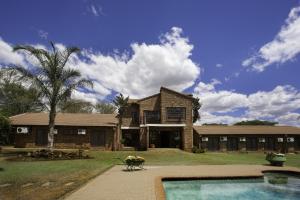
(247, 138)
(162, 120)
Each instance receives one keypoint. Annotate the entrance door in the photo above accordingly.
(97, 138)
(131, 138)
(165, 139)
(232, 143)
(41, 137)
(251, 144)
(213, 143)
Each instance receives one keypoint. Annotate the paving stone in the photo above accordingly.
(27, 185)
(5, 185)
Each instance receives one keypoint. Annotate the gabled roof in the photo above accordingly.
(178, 93)
(65, 119)
(161, 88)
(246, 130)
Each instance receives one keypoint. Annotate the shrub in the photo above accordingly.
(198, 150)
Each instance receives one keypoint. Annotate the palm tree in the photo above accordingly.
(121, 103)
(51, 76)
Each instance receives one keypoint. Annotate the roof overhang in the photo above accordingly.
(162, 125)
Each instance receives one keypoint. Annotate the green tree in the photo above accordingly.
(196, 106)
(4, 130)
(105, 108)
(76, 106)
(51, 76)
(121, 104)
(15, 98)
(256, 122)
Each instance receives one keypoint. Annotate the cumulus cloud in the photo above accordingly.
(280, 104)
(284, 47)
(280, 101)
(219, 101)
(209, 118)
(137, 73)
(148, 67)
(7, 56)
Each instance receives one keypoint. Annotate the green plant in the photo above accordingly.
(52, 78)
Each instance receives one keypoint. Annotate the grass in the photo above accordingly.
(59, 173)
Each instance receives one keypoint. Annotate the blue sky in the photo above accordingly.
(240, 57)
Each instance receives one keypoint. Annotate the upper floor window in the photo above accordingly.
(175, 113)
(151, 117)
(135, 117)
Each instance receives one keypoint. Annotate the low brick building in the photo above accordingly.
(71, 130)
(162, 120)
(247, 138)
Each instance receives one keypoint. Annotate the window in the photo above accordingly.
(175, 113)
(151, 116)
(81, 131)
(135, 117)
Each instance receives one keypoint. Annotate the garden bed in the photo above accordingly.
(46, 155)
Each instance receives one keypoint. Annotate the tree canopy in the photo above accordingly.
(105, 108)
(256, 122)
(76, 106)
(15, 98)
(51, 76)
(196, 106)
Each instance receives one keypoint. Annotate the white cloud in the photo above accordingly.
(284, 47)
(43, 34)
(219, 101)
(219, 65)
(210, 118)
(7, 56)
(280, 104)
(95, 9)
(292, 119)
(138, 74)
(280, 101)
(150, 66)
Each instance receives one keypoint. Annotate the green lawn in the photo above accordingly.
(59, 173)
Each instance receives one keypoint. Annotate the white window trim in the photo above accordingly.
(81, 131)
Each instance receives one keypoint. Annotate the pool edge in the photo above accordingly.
(161, 195)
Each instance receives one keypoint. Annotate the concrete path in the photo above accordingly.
(117, 184)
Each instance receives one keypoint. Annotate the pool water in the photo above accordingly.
(273, 186)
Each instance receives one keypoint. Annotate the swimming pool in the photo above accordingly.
(273, 186)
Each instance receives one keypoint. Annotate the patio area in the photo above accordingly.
(117, 183)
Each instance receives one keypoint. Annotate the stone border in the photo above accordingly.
(161, 195)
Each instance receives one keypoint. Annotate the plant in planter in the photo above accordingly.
(276, 159)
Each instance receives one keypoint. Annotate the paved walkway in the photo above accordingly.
(117, 184)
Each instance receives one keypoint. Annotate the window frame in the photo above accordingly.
(176, 119)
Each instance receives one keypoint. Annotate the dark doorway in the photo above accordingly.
(251, 144)
(213, 143)
(170, 139)
(131, 138)
(41, 137)
(232, 143)
(270, 144)
(97, 138)
(165, 139)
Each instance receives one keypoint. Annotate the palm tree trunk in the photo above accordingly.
(52, 115)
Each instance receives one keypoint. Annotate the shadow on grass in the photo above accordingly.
(1, 169)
